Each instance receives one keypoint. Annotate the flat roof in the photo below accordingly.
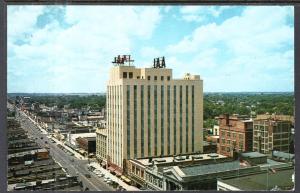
(82, 135)
(210, 168)
(253, 154)
(27, 152)
(283, 154)
(178, 159)
(263, 181)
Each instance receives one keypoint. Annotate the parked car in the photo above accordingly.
(87, 175)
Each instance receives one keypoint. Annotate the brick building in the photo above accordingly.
(236, 132)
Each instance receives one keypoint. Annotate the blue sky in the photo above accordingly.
(70, 48)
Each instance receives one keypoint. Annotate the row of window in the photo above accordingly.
(130, 75)
(155, 181)
(156, 121)
(231, 134)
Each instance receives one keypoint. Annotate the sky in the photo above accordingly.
(67, 49)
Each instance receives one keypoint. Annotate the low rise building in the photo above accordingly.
(101, 141)
(153, 167)
(281, 179)
(236, 134)
(202, 176)
(88, 144)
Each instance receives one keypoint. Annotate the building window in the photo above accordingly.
(228, 134)
(223, 148)
(155, 77)
(241, 136)
(187, 118)
(149, 78)
(138, 77)
(180, 118)
(124, 74)
(149, 119)
(162, 121)
(142, 120)
(168, 119)
(135, 120)
(174, 119)
(222, 134)
(193, 129)
(130, 75)
(162, 78)
(128, 121)
(168, 78)
(155, 120)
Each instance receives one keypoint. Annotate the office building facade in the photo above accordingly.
(272, 133)
(151, 114)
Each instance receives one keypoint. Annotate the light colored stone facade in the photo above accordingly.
(151, 114)
(101, 143)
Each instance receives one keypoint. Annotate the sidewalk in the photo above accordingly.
(35, 123)
(114, 178)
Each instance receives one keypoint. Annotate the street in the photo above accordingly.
(73, 165)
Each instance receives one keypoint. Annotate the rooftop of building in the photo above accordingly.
(101, 130)
(253, 154)
(83, 135)
(274, 164)
(275, 118)
(263, 181)
(235, 117)
(206, 143)
(283, 154)
(20, 154)
(203, 169)
(178, 159)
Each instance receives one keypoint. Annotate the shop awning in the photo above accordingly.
(118, 173)
(125, 179)
(111, 169)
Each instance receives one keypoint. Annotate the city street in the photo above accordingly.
(73, 165)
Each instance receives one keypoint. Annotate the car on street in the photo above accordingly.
(87, 175)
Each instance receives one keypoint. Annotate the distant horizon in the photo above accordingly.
(105, 92)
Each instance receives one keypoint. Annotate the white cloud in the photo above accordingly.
(77, 58)
(21, 19)
(250, 48)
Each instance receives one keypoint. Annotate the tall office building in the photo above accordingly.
(151, 114)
